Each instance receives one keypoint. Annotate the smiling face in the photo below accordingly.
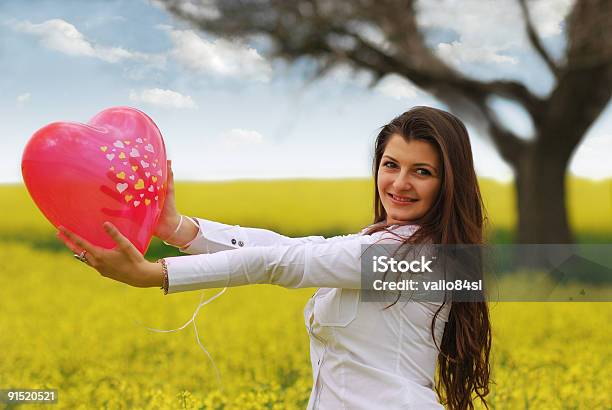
(409, 179)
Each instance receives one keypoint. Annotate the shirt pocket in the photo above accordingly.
(338, 307)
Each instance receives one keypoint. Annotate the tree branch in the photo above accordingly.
(535, 40)
(453, 89)
(316, 35)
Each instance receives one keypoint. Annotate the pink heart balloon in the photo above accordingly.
(111, 169)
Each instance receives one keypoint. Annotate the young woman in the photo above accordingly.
(365, 355)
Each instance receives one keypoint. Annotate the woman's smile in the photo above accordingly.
(402, 200)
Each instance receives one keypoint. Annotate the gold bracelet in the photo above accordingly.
(165, 275)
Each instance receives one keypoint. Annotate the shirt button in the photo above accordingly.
(233, 242)
(319, 361)
(240, 243)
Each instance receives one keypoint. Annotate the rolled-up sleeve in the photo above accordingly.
(330, 264)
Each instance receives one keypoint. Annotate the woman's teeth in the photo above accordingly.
(402, 199)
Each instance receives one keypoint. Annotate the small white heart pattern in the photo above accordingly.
(122, 187)
(134, 152)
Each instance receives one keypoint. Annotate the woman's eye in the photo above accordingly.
(389, 164)
(423, 171)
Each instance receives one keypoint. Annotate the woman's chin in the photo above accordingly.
(399, 220)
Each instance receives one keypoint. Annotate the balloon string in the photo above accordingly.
(195, 327)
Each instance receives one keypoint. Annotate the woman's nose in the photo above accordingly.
(402, 183)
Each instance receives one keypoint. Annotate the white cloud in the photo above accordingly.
(238, 137)
(345, 73)
(487, 161)
(163, 98)
(591, 158)
(548, 15)
(23, 99)
(60, 35)
(218, 56)
(372, 34)
(487, 29)
(397, 87)
(202, 9)
(458, 52)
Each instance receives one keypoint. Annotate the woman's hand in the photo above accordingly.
(124, 263)
(169, 218)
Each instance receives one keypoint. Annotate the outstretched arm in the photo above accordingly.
(327, 264)
(335, 264)
(301, 265)
(292, 266)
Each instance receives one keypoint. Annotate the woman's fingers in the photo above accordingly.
(122, 242)
(77, 245)
(78, 241)
(116, 213)
(68, 243)
(124, 263)
(170, 188)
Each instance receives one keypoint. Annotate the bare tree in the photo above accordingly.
(335, 32)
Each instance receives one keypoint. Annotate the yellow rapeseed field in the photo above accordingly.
(65, 327)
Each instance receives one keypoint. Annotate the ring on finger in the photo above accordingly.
(81, 256)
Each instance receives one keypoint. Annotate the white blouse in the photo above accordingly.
(362, 357)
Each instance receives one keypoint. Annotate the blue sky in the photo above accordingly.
(228, 113)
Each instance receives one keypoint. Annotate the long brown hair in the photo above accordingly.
(457, 216)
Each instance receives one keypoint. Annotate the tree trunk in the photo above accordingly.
(541, 204)
(541, 199)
